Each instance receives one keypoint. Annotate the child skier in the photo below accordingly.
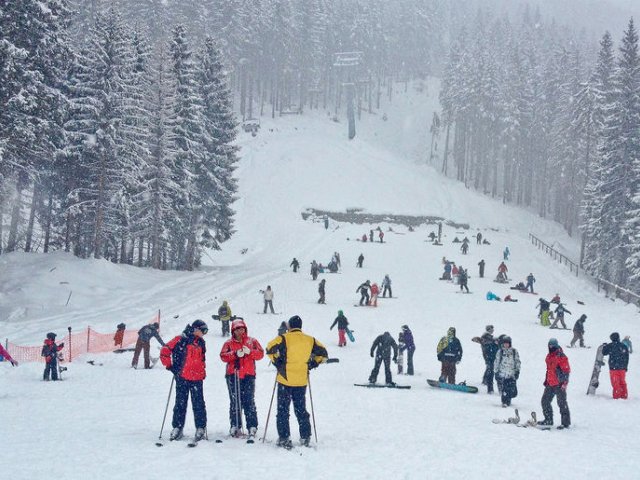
(342, 323)
(507, 369)
(50, 353)
(374, 294)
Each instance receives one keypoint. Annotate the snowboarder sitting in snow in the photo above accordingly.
(560, 311)
(508, 298)
(364, 292)
(520, 286)
(449, 354)
(50, 353)
(343, 324)
(381, 348)
(185, 357)
(507, 369)
(578, 331)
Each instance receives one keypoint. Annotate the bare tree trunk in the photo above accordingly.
(12, 242)
(47, 227)
(32, 216)
(446, 150)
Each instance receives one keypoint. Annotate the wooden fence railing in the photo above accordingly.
(549, 250)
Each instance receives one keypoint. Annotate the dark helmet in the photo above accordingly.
(51, 336)
(200, 325)
(506, 339)
(615, 337)
(295, 322)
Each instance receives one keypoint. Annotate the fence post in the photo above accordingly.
(70, 352)
(88, 337)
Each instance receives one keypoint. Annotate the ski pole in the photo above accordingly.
(266, 425)
(238, 402)
(313, 415)
(166, 409)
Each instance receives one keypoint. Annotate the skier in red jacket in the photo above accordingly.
(50, 353)
(185, 357)
(555, 385)
(240, 353)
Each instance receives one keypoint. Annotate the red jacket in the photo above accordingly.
(50, 349)
(246, 365)
(557, 369)
(502, 268)
(374, 289)
(185, 356)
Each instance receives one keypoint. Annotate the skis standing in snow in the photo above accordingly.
(507, 368)
(342, 323)
(50, 353)
(185, 357)
(449, 354)
(294, 354)
(555, 385)
(381, 349)
(240, 353)
(618, 363)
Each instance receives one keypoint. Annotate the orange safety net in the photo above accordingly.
(76, 344)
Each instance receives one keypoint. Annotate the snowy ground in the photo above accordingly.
(102, 421)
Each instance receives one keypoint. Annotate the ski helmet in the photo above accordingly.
(200, 325)
(51, 336)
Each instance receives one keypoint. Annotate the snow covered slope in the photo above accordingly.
(102, 421)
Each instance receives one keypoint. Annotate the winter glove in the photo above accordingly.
(61, 345)
(246, 350)
(14, 363)
(312, 364)
(240, 353)
(371, 354)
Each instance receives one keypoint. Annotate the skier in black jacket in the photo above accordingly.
(381, 349)
(295, 264)
(321, 291)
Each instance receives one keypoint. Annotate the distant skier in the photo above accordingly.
(506, 253)
(481, 268)
(479, 238)
(375, 290)
(326, 222)
(507, 369)
(446, 275)
(268, 299)
(502, 268)
(336, 256)
(492, 296)
(224, 315)
(386, 286)
(314, 270)
(530, 281)
(555, 385)
(409, 346)
(464, 248)
(463, 278)
(449, 354)
(371, 235)
(560, 311)
(360, 260)
(543, 312)
(145, 334)
(364, 292)
(381, 236)
(321, 291)
(118, 337)
(343, 324)
(295, 264)
(618, 363)
(382, 348)
(184, 356)
(578, 331)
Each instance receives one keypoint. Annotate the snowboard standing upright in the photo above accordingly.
(595, 376)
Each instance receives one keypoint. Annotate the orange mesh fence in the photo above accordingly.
(76, 344)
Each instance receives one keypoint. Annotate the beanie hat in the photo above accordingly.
(553, 343)
(238, 323)
(200, 325)
(615, 337)
(295, 322)
(51, 336)
(489, 328)
(506, 339)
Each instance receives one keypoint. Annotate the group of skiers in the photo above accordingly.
(292, 352)
(369, 291)
(380, 236)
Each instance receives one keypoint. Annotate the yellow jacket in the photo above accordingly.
(291, 353)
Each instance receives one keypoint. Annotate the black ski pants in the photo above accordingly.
(268, 303)
(376, 369)
(51, 369)
(225, 328)
(387, 288)
(286, 395)
(487, 378)
(242, 398)
(364, 297)
(410, 360)
(547, 410)
(183, 389)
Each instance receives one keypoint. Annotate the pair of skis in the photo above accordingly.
(530, 423)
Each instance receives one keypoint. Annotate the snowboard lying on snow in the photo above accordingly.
(460, 387)
(382, 385)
